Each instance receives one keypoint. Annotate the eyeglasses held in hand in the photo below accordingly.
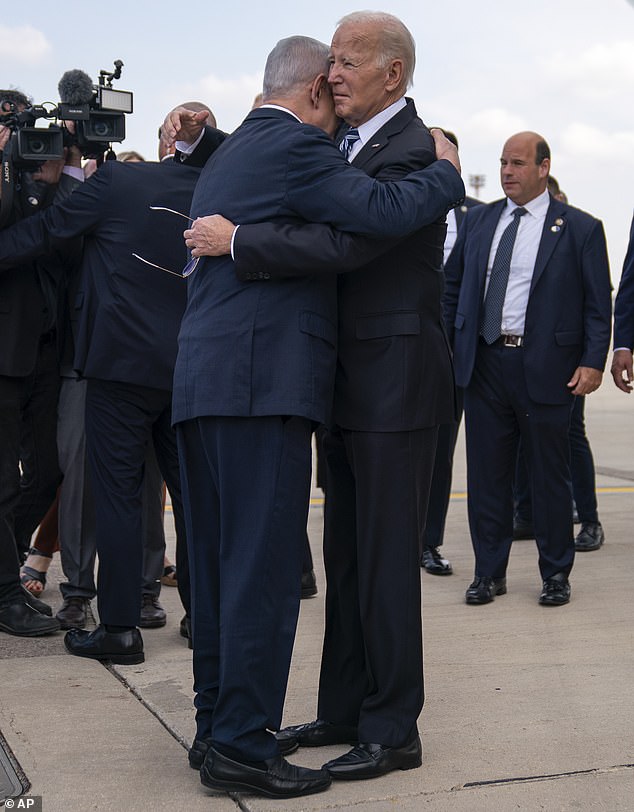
(189, 269)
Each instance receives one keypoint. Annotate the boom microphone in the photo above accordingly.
(75, 87)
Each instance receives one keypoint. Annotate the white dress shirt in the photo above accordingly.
(373, 125)
(522, 262)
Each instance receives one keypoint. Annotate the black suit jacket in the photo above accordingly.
(394, 370)
(128, 313)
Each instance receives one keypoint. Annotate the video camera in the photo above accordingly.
(97, 110)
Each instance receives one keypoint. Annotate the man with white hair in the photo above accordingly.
(393, 387)
(254, 374)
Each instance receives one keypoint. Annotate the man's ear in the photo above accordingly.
(317, 88)
(394, 75)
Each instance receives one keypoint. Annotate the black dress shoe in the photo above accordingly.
(275, 777)
(186, 630)
(433, 562)
(316, 734)
(22, 620)
(372, 760)
(36, 603)
(123, 648)
(198, 751)
(483, 590)
(522, 529)
(555, 590)
(152, 613)
(590, 537)
(74, 613)
(309, 584)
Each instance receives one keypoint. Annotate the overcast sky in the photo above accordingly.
(564, 68)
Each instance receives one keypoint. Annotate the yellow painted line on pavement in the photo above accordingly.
(317, 501)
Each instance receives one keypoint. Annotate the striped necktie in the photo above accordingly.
(496, 292)
(349, 140)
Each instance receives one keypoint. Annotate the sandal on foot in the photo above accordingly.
(169, 576)
(29, 575)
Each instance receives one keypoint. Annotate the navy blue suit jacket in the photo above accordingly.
(624, 304)
(128, 313)
(391, 342)
(569, 306)
(250, 350)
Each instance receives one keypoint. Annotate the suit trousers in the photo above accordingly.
(376, 499)
(581, 471)
(122, 420)
(77, 529)
(498, 411)
(28, 409)
(440, 490)
(246, 487)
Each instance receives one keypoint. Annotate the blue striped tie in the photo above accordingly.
(491, 328)
(349, 140)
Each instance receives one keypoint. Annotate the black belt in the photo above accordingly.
(511, 341)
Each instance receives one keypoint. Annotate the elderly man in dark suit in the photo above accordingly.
(128, 318)
(254, 372)
(393, 387)
(528, 309)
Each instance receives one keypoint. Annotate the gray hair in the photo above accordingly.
(293, 63)
(394, 40)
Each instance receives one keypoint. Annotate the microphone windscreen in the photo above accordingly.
(75, 87)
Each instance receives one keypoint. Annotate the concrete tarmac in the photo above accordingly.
(527, 707)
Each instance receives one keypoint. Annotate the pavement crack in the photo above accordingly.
(544, 777)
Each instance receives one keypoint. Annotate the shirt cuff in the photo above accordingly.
(187, 149)
(75, 172)
(233, 236)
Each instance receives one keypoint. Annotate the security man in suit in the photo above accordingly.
(621, 368)
(393, 387)
(254, 373)
(528, 309)
(129, 312)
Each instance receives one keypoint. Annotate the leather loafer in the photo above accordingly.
(36, 603)
(372, 760)
(274, 778)
(152, 613)
(433, 562)
(316, 734)
(555, 590)
(590, 537)
(186, 630)
(74, 613)
(22, 620)
(309, 584)
(483, 590)
(122, 648)
(198, 751)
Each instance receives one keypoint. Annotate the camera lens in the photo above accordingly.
(36, 146)
(101, 129)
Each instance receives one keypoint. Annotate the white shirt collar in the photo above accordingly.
(538, 206)
(284, 109)
(374, 124)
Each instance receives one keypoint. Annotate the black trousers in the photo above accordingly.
(122, 419)
(28, 422)
(376, 500)
(498, 411)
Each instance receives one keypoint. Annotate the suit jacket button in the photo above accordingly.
(267, 275)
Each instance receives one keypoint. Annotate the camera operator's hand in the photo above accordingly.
(50, 171)
(182, 124)
(210, 236)
(5, 134)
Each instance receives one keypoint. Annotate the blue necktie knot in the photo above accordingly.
(348, 141)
